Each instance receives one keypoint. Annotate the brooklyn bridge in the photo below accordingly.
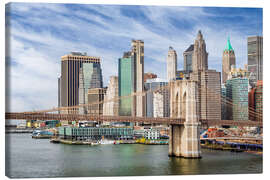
(185, 117)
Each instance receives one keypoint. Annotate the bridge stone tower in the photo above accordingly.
(184, 139)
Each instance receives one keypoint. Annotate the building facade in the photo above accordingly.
(149, 76)
(82, 108)
(209, 88)
(171, 64)
(111, 102)
(95, 101)
(70, 69)
(255, 101)
(158, 104)
(95, 133)
(223, 102)
(126, 84)
(237, 95)
(188, 53)
(255, 58)
(131, 81)
(228, 59)
(238, 72)
(160, 98)
(151, 134)
(59, 92)
(259, 100)
(138, 53)
(209, 94)
(200, 56)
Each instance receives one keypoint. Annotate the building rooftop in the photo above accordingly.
(156, 80)
(190, 48)
(228, 46)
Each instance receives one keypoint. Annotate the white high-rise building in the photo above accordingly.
(110, 107)
(171, 64)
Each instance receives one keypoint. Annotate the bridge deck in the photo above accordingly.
(86, 117)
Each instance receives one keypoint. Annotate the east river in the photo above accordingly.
(31, 158)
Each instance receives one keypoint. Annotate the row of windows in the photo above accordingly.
(83, 58)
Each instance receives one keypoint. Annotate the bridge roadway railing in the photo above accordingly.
(87, 117)
(101, 118)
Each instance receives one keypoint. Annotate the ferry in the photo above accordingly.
(39, 134)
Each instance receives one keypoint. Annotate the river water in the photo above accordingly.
(31, 158)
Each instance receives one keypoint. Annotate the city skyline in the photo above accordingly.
(35, 39)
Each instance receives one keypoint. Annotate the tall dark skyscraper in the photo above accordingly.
(255, 58)
(188, 53)
(71, 65)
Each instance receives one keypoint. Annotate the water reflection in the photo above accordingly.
(27, 157)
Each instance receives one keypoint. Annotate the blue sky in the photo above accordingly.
(41, 33)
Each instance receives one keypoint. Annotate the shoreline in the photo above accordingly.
(116, 142)
(71, 142)
(224, 148)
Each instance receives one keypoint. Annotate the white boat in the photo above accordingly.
(106, 141)
(95, 143)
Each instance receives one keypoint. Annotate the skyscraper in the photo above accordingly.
(171, 64)
(59, 92)
(70, 69)
(223, 103)
(258, 95)
(200, 56)
(237, 94)
(255, 58)
(138, 53)
(209, 94)
(151, 86)
(110, 106)
(188, 53)
(126, 84)
(228, 59)
(82, 109)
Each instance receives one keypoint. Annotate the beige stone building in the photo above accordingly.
(95, 96)
(158, 104)
(138, 52)
(209, 94)
(209, 88)
(238, 72)
(111, 104)
(199, 56)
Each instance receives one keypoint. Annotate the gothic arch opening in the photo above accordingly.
(183, 106)
(176, 105)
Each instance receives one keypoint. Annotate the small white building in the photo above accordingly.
(151, 134)
(158, 102)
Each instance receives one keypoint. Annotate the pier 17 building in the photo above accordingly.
(84, 133)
